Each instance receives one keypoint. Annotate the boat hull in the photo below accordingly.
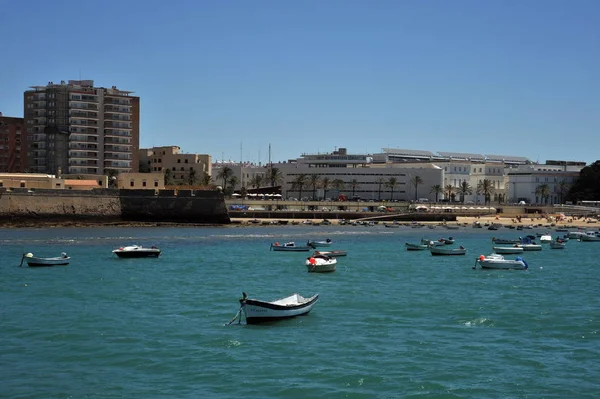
(508, 250)
(260, 312)
(415, 247)
(446, 251)
(149, 253)
(281, 248)
(320, 265)
(502, 265)
(45, 262)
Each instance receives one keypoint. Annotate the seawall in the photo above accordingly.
(112, 205)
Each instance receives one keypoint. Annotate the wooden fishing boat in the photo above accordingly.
(257, 311)
(441, 251)
(508, 250)
(320, 264)
(290, 247)
(34, 261)
(496, 261)
(315, 244)
(334, 253)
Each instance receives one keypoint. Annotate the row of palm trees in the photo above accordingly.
(314, 182)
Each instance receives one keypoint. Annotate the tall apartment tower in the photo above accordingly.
(13, 145)
(77, 128)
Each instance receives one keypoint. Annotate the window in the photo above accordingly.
(179, 161)
(155, 183)
(186, 161)
(1, 184)
(22, 184)
(182, 169)
(131, 183)
(144, 183)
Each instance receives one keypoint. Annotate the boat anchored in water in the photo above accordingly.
(34, 261)
(257, 311)
(496, 261)
(137, 251)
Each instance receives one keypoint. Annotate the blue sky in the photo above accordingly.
(228, 78)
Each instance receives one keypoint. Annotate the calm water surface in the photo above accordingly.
(389, 324)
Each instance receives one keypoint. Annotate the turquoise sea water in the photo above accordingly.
(389, 323)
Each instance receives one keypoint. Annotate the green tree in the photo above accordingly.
(298, 184)
(168, 177)
(449, 189)
(437, 190)
(464, 189)
(543, 191)
(416, 181)
(275, 176)
(391, 184)
(587, 185)
(354, 184)
(380, 182)
(191, 177)
(325, 183)
(486, 188)
(562, 188)
(232, 183)
(224, 175)
(313, 181)
(256, 181)
(205, 179)
(338, 184)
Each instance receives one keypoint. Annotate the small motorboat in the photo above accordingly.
(590, 236)
(546, 238)
(447, 241)
(558, 244)
(34, 261)
(137, 251)
(508, 250)
(496, 261)
(290, 247)
(316, 244)
(505, 240)
(320, 264)
(424, 244)
(334, 253)
(257, 311)
(441, 251)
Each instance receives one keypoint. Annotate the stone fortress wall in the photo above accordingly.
(110, 205)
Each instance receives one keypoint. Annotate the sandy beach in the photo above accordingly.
(585, 223)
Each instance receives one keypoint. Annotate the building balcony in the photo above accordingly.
(113, 140)
(117, 117)
(73, 170)
(117, 164)
(85, 130)
(74, 162)
(116, 133)
(83, 155)
(83, 115)
(82, 105)
(119, 149)
(117, 109)
(81, 146)
(73, 138)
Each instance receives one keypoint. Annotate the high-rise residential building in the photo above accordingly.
(13, 145)
(75, 128)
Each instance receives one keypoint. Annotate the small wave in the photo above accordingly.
(481, 321)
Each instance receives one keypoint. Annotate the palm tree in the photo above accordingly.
(415, 182)
(256, 181)
(354, 184)
(380, 182)
(191, 177)
(233, 181)
(437, 190)
(168, 177)
(275, 176)
(205, 179)
(450, 190)
(313, 181)
(338, 184)
(562, 188)
(299, 183)
(486, 188)
(391, 184)
(464, 189)
(325, 182)
(543, 191)
(224, 174)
